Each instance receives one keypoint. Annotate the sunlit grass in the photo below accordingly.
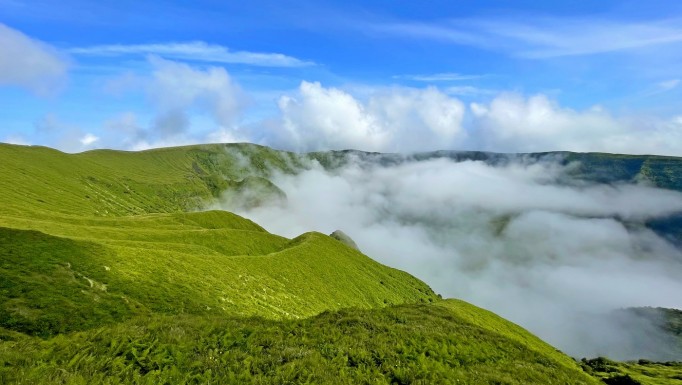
(111, 273)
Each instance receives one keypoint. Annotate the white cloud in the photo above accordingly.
(188, 104)
(88, 139)
(142, 145)
(125, 126)
(546, 255)
(197, 51)
(193, 104)
(409, 119)
(50, 130)
(29, 63)
(16, 139)
(329, 118)
(399, 119)
(177, 87)
(514, 123)
(226, 135)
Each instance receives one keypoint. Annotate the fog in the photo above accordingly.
(553, 254)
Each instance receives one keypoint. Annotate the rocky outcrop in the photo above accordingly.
(344, 238)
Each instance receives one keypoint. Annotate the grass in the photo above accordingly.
(203, 271)
(405, 344)
(641, 372)
(117, 229)
(111, 273)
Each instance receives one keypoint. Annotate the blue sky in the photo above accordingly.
(372, 75)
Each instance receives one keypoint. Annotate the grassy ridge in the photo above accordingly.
(112, 227)
(405, 344)
(106, 281)
(39, 180)
(109, 276)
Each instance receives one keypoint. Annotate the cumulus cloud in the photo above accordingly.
(88, 139)
(402, 119)
(514, 123)
(522, 239)
(29, 63)
(189, 104)
(194, 104)
(399, 119)
(178, 86)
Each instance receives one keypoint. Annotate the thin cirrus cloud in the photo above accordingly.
(543, 37)
(662, 87)
(668, 85)
(194, 51)
(469, 91)
(439, 77)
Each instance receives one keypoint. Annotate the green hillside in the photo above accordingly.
(448, 343)
(39, 180)
(110, 274)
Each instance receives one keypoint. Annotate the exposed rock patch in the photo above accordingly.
(345, 239)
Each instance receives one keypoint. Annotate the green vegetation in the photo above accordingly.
(110, 274)
(189, 271)
(38, 180)
(99, 237)
(642, 372)
(406, 344)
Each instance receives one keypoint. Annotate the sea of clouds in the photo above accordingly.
(554, 254)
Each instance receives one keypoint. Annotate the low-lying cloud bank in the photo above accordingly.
(522, 239)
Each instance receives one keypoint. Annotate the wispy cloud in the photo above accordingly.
(197, 51)
(661, 87)
(668, 85)
(469, 91)
(544, 37)
(30, 63)
(438, 77)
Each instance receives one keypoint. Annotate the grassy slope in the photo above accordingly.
(404, 344)
(101, 245)
(110, 225)
(642, 372)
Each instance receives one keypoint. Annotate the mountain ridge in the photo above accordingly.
(118, 235)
